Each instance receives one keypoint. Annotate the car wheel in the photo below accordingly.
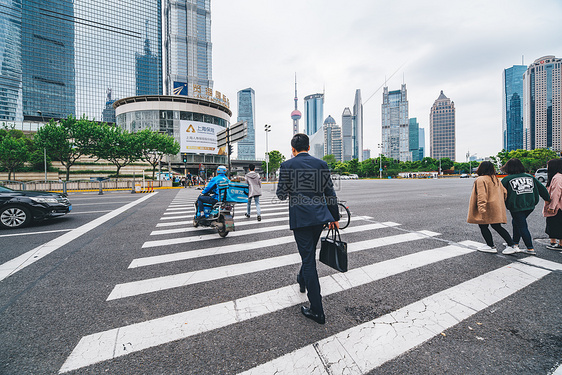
(14, 217)
(541, 179)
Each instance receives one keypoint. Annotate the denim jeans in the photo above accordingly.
(520, 229)
(257, 200)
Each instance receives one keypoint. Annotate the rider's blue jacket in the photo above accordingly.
(213, 186)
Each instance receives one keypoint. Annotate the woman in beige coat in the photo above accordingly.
(487, 206)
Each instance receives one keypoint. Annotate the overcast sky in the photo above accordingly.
(460, 47)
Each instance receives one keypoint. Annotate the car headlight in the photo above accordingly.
(44, 199)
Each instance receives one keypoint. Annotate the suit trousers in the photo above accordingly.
(307, 239)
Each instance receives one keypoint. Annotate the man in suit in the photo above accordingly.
(306, 181)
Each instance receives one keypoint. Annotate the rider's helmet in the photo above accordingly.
(221, 169)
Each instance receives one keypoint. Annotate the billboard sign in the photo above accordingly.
(180, 88)
(200, 138)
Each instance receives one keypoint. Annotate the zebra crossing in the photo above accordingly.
(356, 350)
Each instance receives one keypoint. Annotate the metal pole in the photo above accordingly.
(45, 159)
(267, 130)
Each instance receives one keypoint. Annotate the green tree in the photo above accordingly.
(331, 160)
(353, 166)
(66, 140)
(153, 146)
(117, 146)
(340, 167)
(13, 154)
(275, 160)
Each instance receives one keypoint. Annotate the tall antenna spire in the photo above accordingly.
(296, 114)
(296, 97)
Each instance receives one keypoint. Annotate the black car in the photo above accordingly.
(18, 207)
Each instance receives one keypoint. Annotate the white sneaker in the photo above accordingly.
(487, 249)
(510, 250)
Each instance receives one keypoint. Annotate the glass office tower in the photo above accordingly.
(10, 61)
(313, 113)
(187, 42)
(347, 134)
(357, 135)
(60, 57)
(512, 111)
(543, 104)
(48, 45)
(414, 141)
(108, 39)
(247, 112)
(442, 131)
(395, 125)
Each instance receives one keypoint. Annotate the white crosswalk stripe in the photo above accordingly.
(357, 350)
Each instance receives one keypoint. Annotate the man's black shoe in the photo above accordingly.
(318, 318)
(302, 286)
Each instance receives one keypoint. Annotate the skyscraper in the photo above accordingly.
(421, 144)
(357, 135)
(347, 134)
(49, 43)
(187, 42)
(296, 114)
(147, 72)
(543, 104)
(332, 138)
(60, 56)
(247, 112)
(414, 139)
(512, 111)
(10, 68)
(395, 125)
(313, 112)
(442, 128)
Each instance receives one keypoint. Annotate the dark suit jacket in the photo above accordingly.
(306, 181)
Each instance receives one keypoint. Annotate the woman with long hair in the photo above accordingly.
(523, 191)
(553, 210)
(487, 207)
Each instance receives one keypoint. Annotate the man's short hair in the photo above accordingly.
(251, 167)
(300, 142)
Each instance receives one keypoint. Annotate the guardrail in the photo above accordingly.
(137, 185)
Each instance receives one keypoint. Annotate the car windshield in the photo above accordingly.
(5, 190)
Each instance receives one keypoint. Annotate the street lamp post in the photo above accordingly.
(380, 160)
(267, 130)
(44, 148)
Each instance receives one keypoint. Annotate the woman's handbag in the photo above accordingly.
(333, 251)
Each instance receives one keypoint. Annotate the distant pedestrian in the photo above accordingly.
(189, 180)
(553, 210)
(487, 206)
(523, 192)
(254, 182)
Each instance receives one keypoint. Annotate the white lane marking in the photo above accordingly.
(531, 260)
(30, 233)
(98, 203)
(74, 213)
(234, 248)
(211, 236)
(192, 210)
(360, 349)
(239, 215)
(24, 260)
(101, 346)
(236, 220)
(188, 278)
(191, 228)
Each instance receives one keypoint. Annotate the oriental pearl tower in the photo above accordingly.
(296, 114)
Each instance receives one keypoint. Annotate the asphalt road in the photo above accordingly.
(127, 286)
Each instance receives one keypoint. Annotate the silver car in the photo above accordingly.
(541, 174)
